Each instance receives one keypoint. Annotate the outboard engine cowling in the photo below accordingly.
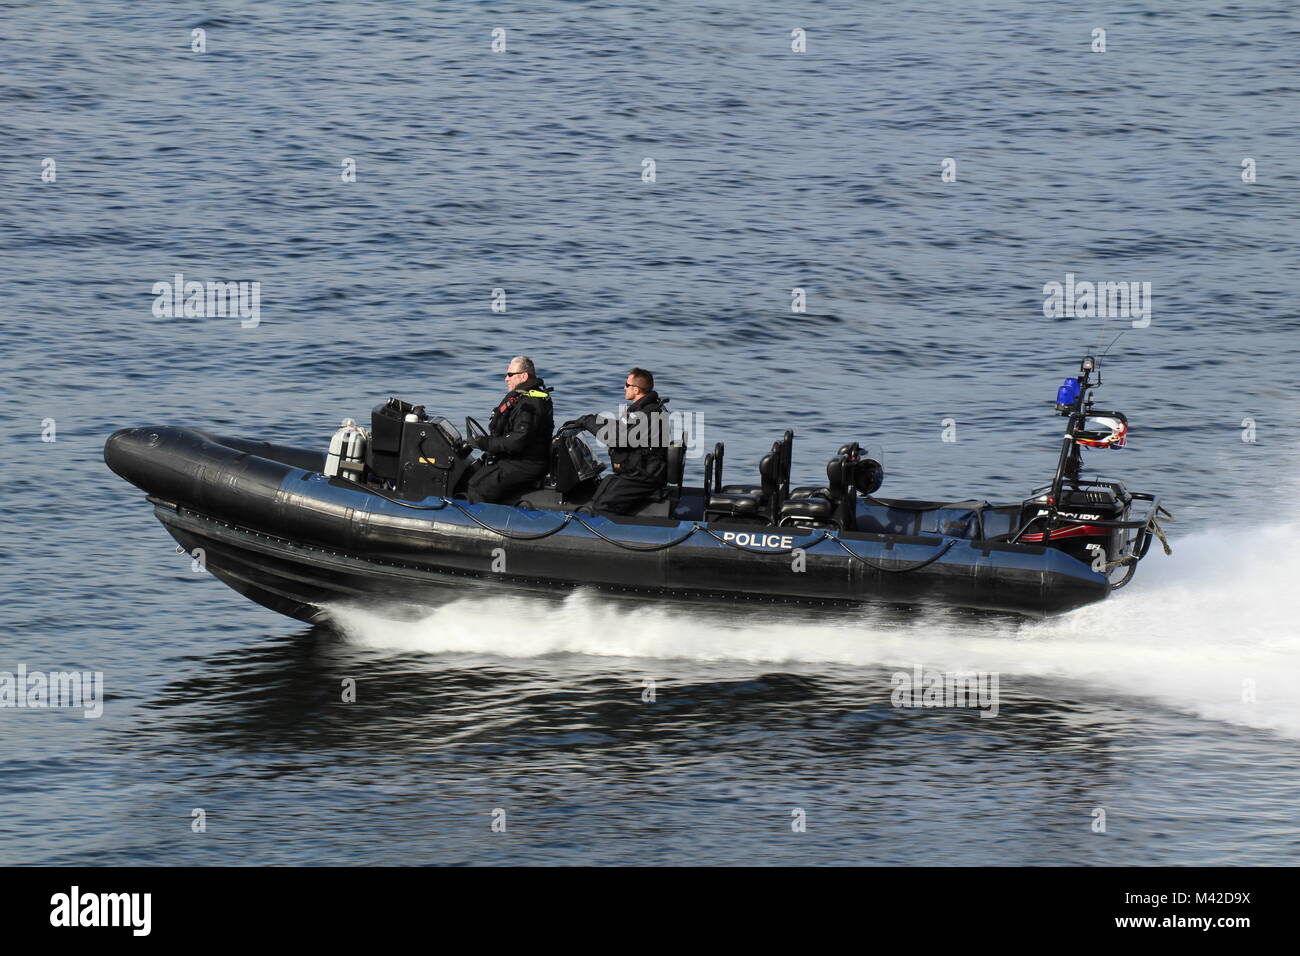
(1080, 538)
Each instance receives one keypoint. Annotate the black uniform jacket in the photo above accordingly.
(638, 443)
(522, 424)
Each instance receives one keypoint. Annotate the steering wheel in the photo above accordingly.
(473, 429)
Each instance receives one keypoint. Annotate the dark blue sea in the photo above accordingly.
(1172, 158)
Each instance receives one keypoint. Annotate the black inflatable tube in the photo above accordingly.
(279, 532)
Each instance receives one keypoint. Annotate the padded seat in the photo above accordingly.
(817, 503)
(734, 504)
(743, 501)
(810, 491)
(676, 462)
(812, 509)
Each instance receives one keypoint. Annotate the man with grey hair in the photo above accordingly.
(517, 449)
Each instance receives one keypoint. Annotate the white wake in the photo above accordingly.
(1209, 631)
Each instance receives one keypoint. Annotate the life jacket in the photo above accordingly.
(532, 399)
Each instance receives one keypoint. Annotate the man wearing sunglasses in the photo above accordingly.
(637, 445)
(517, 451)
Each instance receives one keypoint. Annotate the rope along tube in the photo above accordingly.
(507, 534)
(826, 535)
(569, 516)
(916, 567)
(443, 502)
(631, 547)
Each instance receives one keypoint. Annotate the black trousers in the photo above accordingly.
(622, 495)
(503, 479)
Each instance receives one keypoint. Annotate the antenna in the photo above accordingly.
(1112, 342)
(1101, 335)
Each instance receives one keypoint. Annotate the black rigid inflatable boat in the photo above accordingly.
(377, 518)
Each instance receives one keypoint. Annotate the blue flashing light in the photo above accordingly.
(1068, 393)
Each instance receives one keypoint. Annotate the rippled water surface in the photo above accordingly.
(1172, 707)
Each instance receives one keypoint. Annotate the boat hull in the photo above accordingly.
(273, 528)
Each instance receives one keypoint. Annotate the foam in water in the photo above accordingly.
(1191, 632)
